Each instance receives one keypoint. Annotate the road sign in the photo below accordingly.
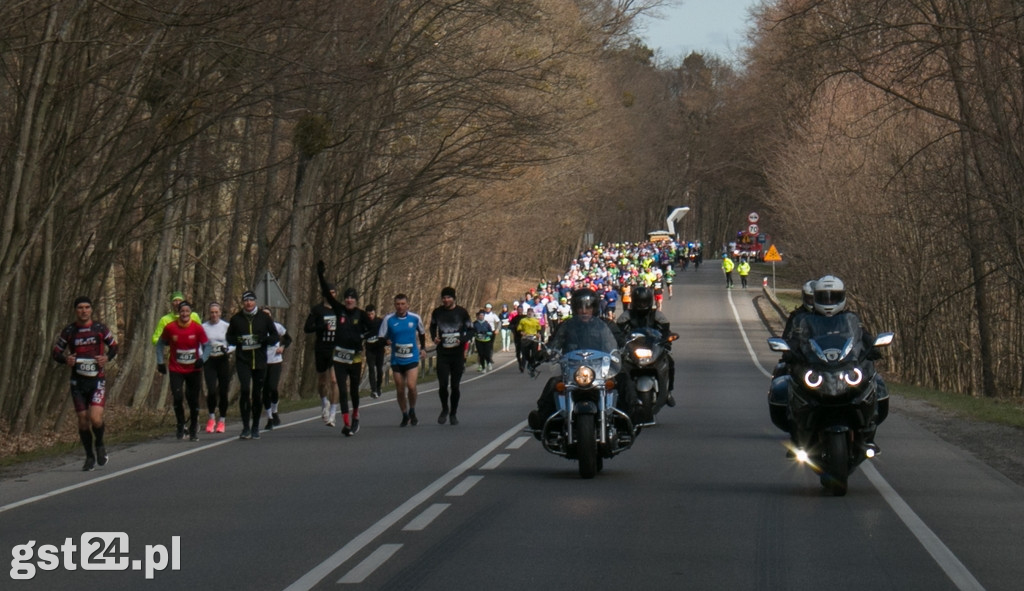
(753, 229)
(269, 293)
(753, 217)
(772, 256)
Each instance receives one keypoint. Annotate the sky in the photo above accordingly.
(705, 26)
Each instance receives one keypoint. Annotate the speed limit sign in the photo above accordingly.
(753, 229)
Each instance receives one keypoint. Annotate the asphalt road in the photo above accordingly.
(705, 500)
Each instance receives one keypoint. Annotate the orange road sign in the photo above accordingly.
(772, 256)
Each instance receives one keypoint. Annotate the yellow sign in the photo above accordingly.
(772, 256)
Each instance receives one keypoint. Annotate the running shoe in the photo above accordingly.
(269, 426)
(355, 426)
(412, 417)
(325, 411)
(181, 431)
(277, 419)
(331, 419)
(255, 433)
(246, 434)
(220, 426)
(441, 418)
(101, 455)
(405, 420)
(193, 437)
(346, 431)
(90, 464)
(453, 420)
(211, 425)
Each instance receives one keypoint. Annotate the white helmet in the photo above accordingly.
(808, 296)
(829, 295)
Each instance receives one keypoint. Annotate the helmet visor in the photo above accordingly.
(829, 297)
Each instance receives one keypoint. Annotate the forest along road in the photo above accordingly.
(705, 500)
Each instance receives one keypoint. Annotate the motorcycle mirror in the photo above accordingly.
(778, 345)
(884, 339)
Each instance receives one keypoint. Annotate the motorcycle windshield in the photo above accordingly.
(604, 365)
(833, 339)
(648, 336)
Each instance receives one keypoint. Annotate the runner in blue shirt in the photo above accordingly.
(404, 332)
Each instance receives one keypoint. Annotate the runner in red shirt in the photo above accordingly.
(189, 348)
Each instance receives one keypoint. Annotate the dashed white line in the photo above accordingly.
(427, 517)
(370, 564)
(518, 442)
(464, 486)
(495, 462)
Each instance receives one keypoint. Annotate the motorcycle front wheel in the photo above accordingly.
(836, 464)
(586, 445)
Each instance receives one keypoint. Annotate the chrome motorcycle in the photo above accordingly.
(586, 425)
(830, 399)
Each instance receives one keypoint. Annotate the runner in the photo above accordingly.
(450, 328)
(348, 349)
(323, 321)
(251, 332)
(80, 346)
(189, 348)
(217, 369)
(401, 329)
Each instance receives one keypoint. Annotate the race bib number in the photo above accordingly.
(505, 322)
(87, 367)
(249, 342)
(450, 340)
(346, 356)
(403, 351)
(332, 323)
(218, 350)
(185, 356)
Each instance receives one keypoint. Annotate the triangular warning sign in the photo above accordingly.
(772, 256)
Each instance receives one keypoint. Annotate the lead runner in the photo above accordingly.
(80, 346)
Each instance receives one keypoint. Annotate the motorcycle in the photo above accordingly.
(586, 426)
(647, 360)
(830, 398)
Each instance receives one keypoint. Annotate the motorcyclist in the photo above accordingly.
(585, 330)
(642, 314)
(829, 300)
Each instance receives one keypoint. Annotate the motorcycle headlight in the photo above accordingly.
(584, 376)
(812, 380)
(643, 354)
(853, 377)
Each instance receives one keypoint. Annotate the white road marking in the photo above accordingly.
(464, 486)
(427, 517)
(370, 564)
(518, 442)
(495, 462)
(317, 574)
(948, 562)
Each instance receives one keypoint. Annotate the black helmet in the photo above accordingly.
(643, 299)
(586, 298)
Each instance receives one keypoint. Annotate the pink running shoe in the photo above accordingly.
(210, 425)
(220, 426)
